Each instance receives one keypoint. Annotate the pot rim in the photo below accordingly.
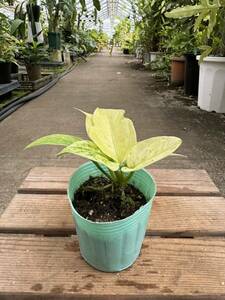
(117, 221)
(178, 58)
(218, 59)
(156, 52)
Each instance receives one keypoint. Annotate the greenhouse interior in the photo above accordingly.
(112, 149)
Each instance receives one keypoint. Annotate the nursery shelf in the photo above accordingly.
(9, 87)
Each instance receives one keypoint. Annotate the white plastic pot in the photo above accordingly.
(147, 57)
(139, 53)
(155, 55)
(211, 93)
(67, 59)
(40, 37)
(56, 55)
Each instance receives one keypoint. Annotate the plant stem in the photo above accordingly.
(128, 177)
(92, 188)
(119, 177)
(103, 171)
(113, 176)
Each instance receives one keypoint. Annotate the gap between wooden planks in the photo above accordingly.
(167, 269)
(183, 182)
(51, 267)
(180, 216)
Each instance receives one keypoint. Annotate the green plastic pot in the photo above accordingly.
(112, 246)
(54, 40)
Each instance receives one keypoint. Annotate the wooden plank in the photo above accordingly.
(54, 180)
(171, 216)
(36, 266)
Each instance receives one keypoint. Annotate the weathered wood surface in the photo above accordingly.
(171, 216)
(54, 180)
(45, 266)
(50, 267)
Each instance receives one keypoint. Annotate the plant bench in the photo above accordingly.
(183, 255)
(26, 84)
(7, 88)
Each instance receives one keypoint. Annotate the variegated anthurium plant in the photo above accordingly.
(113, 143)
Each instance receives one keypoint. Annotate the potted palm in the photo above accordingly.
(32, 54)
(111, 196)
(179, 41)
(210, 22)
(53, 8)
(149, 27)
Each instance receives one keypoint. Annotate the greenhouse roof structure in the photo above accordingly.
(111, 12)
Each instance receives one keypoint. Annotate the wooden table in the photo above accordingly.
(183, 255)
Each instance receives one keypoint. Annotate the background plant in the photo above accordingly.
(150, 23)
(123, 34)
(32, 53)
(178, 38)
(209, 19)
(8, 43)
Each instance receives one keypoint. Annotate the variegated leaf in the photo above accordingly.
(149, 151)
(54, 139)
(114, 134)
(89, 150)
(185, 11)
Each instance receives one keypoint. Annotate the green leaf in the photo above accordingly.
(153, 2)
(15, 25)
(149, 151)
(206, 51)
(185, 11)
(212, 21)
(55, 139)
(200, 18)
(83, 4)
(97, 4)
(96, 15)
(89, 150)
(205, 3)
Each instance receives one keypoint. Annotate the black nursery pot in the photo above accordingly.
(125, 51)
(33, 10)
(36, 9)
(33, 72)
(54, 40)
(191, 75)
(14, 68)
(5, 72)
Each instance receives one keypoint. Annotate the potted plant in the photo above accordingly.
(149, 27)
(53, 8)
(210, 22)
(179, 41)
(32, 54)
(123, 36)
(111, 197)
(66, 53)
(8, 50)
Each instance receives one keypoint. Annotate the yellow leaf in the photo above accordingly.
(54, 139)
(113, 133)
(90, 151)
(149, 151)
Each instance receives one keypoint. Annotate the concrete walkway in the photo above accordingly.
(109, 82)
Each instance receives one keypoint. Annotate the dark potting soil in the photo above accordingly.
(97, 200)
